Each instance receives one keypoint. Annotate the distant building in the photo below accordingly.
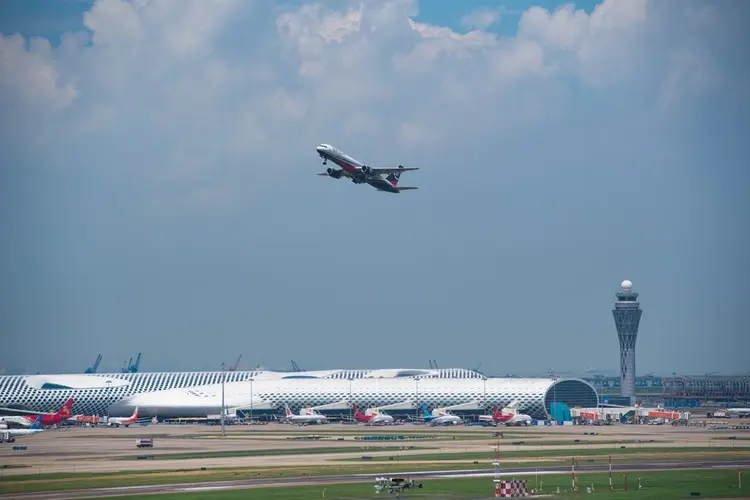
(197, 394)
(627, 314)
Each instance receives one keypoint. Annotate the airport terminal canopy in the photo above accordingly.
(188, 394)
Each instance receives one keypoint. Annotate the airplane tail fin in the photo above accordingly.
(65, 410)
(135, 414)
(393, 177)
(37, 423)
(287, 411)
(357, 413)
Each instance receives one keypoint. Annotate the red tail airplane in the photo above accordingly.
(375, 418)
(47, 418)
(499, 417)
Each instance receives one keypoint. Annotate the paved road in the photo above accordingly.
(350, 478)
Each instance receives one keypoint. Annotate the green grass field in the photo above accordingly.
(29, 483)
(674, 485)
(557, 453)
(262, 453)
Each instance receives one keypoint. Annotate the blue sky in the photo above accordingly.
(52, 18)
(158, 190)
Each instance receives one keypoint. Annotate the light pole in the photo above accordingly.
(251, 400)
(223, 365)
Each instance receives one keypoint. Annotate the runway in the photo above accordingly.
(352, 478)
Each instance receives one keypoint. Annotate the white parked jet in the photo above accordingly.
(360, 173)
(305, 417)
(442, 417)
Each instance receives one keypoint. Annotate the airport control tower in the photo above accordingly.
(627, 314)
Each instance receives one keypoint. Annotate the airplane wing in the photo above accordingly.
(336, 173)
(406, 188)
(392, 170)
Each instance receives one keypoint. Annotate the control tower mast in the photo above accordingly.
(627, 314)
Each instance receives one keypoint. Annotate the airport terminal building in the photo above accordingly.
(197, 394)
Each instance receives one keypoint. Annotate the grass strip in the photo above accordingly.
(556, 453)
(648, 485)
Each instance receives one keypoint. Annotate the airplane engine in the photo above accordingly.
(334, 173)
(367, 169)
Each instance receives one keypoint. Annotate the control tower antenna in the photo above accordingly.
(627, 314)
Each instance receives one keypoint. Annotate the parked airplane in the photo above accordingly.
(10, 435)
(360, 173)
(309, 417)
(442, 417)
(510, 418)
(496, 417)
(28, 418)
(373, 418)
(126, 421)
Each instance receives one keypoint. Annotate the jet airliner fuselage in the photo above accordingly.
(360, 173)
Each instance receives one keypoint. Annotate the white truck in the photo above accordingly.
(144, 443)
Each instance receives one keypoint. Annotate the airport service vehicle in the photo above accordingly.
(395, 484)
(144, 443)
(360, 173)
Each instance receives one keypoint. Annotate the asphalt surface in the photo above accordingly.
(351, 478)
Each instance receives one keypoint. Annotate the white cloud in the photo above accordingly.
(183, 89)
(481, 18)
(30, 73)
(600, 47)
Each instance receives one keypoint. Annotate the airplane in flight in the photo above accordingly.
(10, 435)
(27, 418)
(371, 419)
(309, 417)
(360, 173)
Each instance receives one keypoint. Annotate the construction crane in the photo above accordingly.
(131, 367)
(93, 368)
(234, 366)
